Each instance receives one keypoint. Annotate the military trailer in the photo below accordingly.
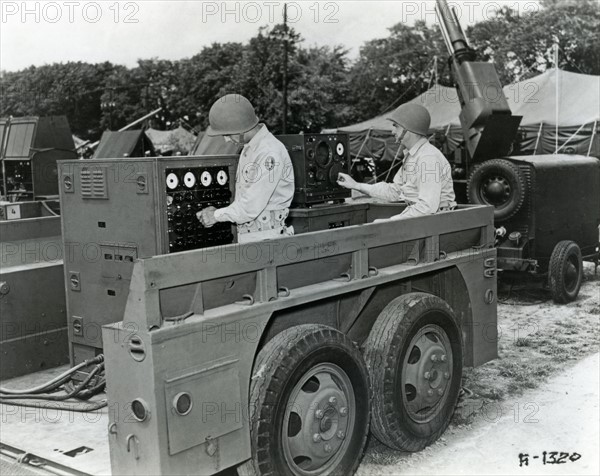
(276, 357)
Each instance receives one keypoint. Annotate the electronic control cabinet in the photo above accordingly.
(317, 160)
(117, 210)
(29, 150)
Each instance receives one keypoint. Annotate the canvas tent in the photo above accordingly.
(117, 144)
(573, 126)
(177, 140)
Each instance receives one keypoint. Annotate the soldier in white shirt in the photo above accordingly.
(424, 181)
(264, 185)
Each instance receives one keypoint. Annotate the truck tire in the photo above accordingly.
(565, 272)
(499, 183)
(414, 356)
(309, 405)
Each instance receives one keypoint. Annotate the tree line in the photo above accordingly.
(325, 88)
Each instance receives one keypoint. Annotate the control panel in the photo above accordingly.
(317, 160)
(189, 190)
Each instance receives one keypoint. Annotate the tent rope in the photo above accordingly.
(361, 147)
(592, 138)
(569, 139)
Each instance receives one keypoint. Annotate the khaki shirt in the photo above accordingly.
(424, 181)
(264, 180)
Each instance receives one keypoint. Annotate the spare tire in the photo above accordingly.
(499, 183)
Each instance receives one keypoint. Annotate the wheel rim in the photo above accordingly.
(496, 190)
(318, 420)
(571, 273)
(426, 373)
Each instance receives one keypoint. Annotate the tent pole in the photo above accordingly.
(592, 138)
(537, 141)
(569, 139)
(361, 147)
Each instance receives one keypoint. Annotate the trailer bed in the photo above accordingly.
(59, 441)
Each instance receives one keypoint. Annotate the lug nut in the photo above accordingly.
(434, 358)
(333, 401)
(443, 358)
(341, 435)
(427, 375)
(327, 448)
(319, 414)
(316, 437)
(343, 411)
(446, 375)
(430, 392)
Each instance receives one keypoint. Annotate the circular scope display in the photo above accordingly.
(222, 177)
(206, 178)
(323, 155)
(189, 179)
(172, 181)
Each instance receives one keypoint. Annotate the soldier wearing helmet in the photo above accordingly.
(424, 180)
(265, 179)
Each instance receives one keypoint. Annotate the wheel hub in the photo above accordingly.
(426, 373)
(571, 275)
(320, 413)
(496, 190)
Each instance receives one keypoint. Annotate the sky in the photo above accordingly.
(44, 32)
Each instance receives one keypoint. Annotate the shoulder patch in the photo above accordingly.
(269, 163)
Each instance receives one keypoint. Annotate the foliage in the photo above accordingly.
(523, 46)
(325, 88)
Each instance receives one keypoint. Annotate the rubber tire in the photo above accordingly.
(561, 254)
(511, 173)
(278, 367)
(385, 349)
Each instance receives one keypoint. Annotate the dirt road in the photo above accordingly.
(561, 415)
(541, 394)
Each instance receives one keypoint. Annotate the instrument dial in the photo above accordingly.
(340, 149)
(172, 181)
(189, 179)
(206, 178)
(222, 177)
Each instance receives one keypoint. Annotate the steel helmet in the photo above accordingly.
(413, 117)
(231, 114)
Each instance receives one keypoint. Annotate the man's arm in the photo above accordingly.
(390, 192)
(260, 180)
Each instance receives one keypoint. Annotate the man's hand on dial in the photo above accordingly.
(207, 216)
(344, 180)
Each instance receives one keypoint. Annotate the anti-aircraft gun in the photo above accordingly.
(547, 207)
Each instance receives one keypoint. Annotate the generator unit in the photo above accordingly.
(317, 159)
(547, 214)
(29, 150)
(117, 210)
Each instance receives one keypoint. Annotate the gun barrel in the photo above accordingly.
(454, 36)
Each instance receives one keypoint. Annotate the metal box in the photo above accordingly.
(317, 159)
(117, 210)
(327, 217)
(562, 202)
(29, 150)
(33, 321)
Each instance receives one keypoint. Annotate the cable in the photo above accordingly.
(45, 205)
(56, 398)
(49, 406)
(54, 382)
